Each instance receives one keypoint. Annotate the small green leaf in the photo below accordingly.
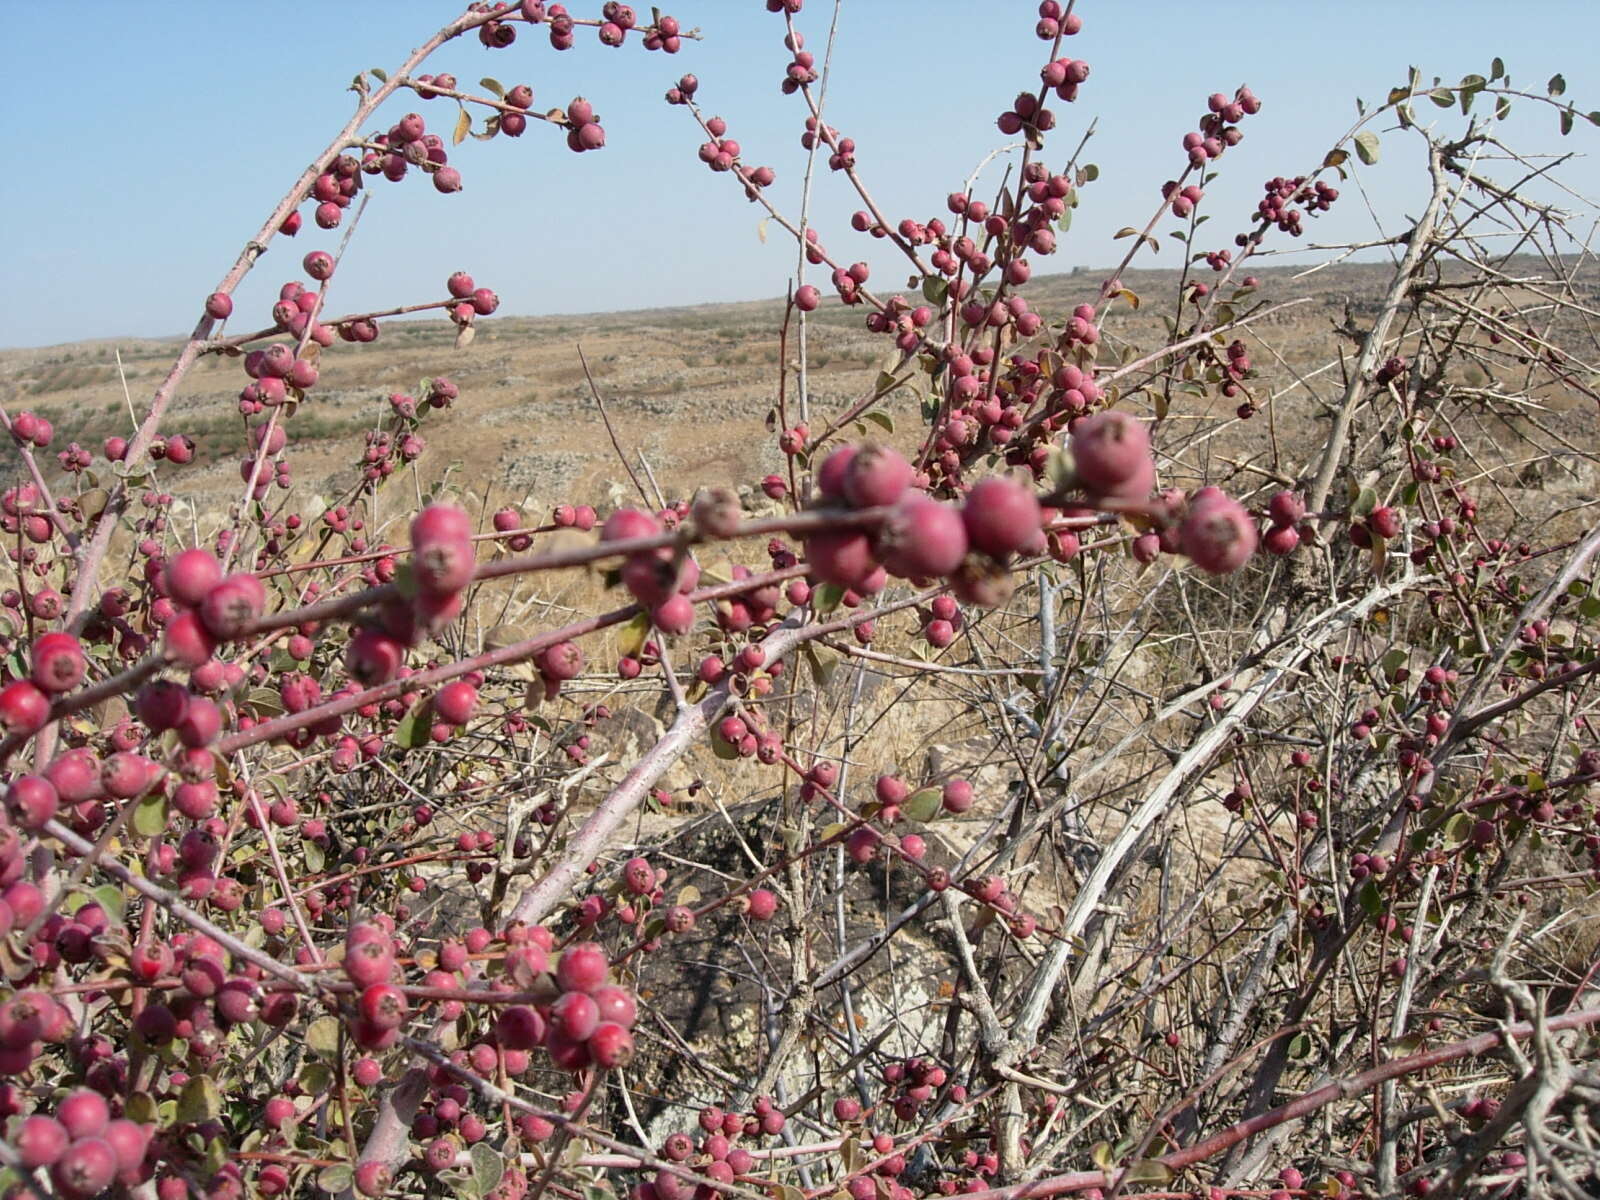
(335, 1179)
(487, 1168)
(1443, 97)
(1366, 500)
(199, 1101)
(109, 897)
(414, 728)
(463, 127)
(1496, 69)
(150, 815)
(1149, 1171)
(1557, 85)
(881, 419)
(322, 1035)
(1566, 121)
(923, 805)
(1335, 158)
(827, 597)
(492, 85)
(379, 74)
(1089, 173)
(1371, 899)
(935, 290)
(1458, 829)
(1367, 146)
(1125, 231)
(632, 636)
(821, 666)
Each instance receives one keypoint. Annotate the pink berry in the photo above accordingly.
(876, 475)
(611, 1046)
(1111, 452)
(763, 904)
(1286, 508)
(441, 544)
(84, 1113)
(1002, 517)
(957, 796)
(922, 538)
(39, 1141)
(582, 968)
(229, 608)
(455, 702)
(190, 574)
(1218, 534)
(842, 557)
(831, 474)
(86, 1168)
(1281, 540)
(219, 306)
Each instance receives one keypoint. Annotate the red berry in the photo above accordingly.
(1111, 453)
(1218, 534)
(58, 662)
(441, 543)
(876, 475)
(84, 1113)
(24, 709)
(190, 574)
(384, 1006)
(186, 642)
(232, 605)
(611, 1045)
(32, 801)
(575, 1015)
(582, 968)
(1002, 517)
(957, 796)
(455, 702)
(922, 538)
(39, 1141)
(86, 1168)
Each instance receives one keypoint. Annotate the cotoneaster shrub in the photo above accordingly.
(1286, 764)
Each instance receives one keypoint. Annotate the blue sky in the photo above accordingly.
(147, 140)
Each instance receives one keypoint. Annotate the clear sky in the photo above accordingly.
(147, 140)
